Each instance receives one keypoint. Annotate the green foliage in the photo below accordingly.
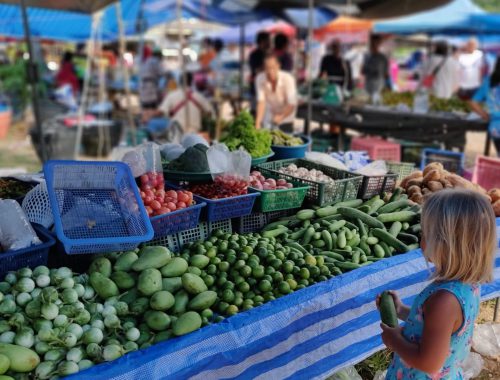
(14, 82)
(489, 5)
(241, 132)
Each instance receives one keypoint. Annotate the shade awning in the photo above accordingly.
(81, 6)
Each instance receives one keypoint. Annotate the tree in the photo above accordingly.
(489, 5)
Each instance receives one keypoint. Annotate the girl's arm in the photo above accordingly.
(443, 316)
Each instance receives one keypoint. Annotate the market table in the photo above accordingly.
(445, 128)
(311, 333)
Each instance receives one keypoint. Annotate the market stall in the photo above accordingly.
(446, 128)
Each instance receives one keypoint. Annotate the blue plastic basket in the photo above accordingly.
(28, 257)
(176, 221)
(227, 208)
(284, 152)
(452, 161)
(96, 206)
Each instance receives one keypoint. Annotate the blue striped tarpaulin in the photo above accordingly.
(309, 334)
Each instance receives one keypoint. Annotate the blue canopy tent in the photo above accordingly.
(451, 18)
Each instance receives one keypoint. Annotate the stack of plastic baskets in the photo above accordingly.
(451, 161)
(487, 172)
(377, 148)
(96, 206)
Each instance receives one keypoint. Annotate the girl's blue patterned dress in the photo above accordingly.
(469, 298)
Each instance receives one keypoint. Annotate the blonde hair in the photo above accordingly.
(459, 231)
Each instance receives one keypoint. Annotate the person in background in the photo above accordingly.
(489, 93)
(355, 57)
(207, 54)
(150, 73)
(334, 68)
(186, 106)
(444, 71)
(472, 69)
(67, 73)
(217, 64)
(256, 58)
(459, 239)
(276, 96)
(375, 68)
(281, 44)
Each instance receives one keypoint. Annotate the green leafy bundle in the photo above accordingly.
(241, 132)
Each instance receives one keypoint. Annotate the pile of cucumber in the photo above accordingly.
(353, 233)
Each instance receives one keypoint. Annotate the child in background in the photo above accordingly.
(459, 238)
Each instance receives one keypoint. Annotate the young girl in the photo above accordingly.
(459, 238)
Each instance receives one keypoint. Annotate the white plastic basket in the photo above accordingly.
(36, 205)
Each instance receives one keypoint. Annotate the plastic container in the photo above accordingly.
(402, 169)
(345, 187)
(261, 160)
(282, 199)
(257, 221)
(227, 208)
(285, 152)
(377, 148)
(176, 221)
(96, 206)
(452, 161)
(377, 185)
(201, 232)
(487, 172)
(28, 257)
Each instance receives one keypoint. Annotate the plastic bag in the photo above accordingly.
(171, 151)
(16, 231)
(348, 373)
(144, 159)
(380, 375)
(486, 339)
(375, 168)
(325, 159)
(472, 366)
(353, 160)
(223, 162)
(230, 170)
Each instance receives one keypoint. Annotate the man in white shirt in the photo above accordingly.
(472, 67)
(276, 97)
(187, 107)
(445, 71)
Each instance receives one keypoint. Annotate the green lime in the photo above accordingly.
(229, 285)
(284, 287)
(234, 245)
(247, 249)
(270, 257)
(231, 259)
(251, 281)
(250, 294)
(228, 296)
(278, 277)
(221, 281)
(300, 286)
(288, 266)
(246, 271)
(208, 244)
(293, 284)
(320, 260)
(238, 294)
(262, 252)
(280, 254)
(315, 271)
(223, 246)
(207, 313)
(238, 301)
(289, 276)
(258, 299)
(310, 260)
(304, 282)
(258, 272)
(215, 260)
(239, 279)
(201, 250)
(300, 262)
(243, 256)
(223, 306)
(232, 310)
(296, 270)
(322, 278)
(293, 255)
(324, 270)
(209, 280)
(268, 278)
(270, 270)
(212, 252)
(244, 287)
(265, 286)
(239, 264)
(276, 263)
(211, 269)
(223, 266)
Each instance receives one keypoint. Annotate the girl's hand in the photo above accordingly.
(401, 308)
(391, 335)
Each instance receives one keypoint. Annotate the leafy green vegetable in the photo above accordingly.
(241, 132)
(193, 160)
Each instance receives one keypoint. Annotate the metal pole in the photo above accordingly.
(182, 61)
(33, 79)
(126, 78)
(307, 126)
(242, 61)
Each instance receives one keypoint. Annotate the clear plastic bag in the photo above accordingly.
(145, 158)
(472, 366)
(348, 373)
(230, 170)
(16, 231)
(375, 168)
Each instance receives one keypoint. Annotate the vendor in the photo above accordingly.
(186, 106)
(276, 97)
(489, 93)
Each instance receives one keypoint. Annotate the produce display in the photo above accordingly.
(241, 132)
(259, 182)
(224, 186)
(303, 173)
(453, 104)
(56, 323)
(193, 160)
(434, 178)
(284, 139)
(158, 201)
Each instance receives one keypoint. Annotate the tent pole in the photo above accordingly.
(242, 61)
(33, 79)
(307, 126)
(182, 62)
(126, 78)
